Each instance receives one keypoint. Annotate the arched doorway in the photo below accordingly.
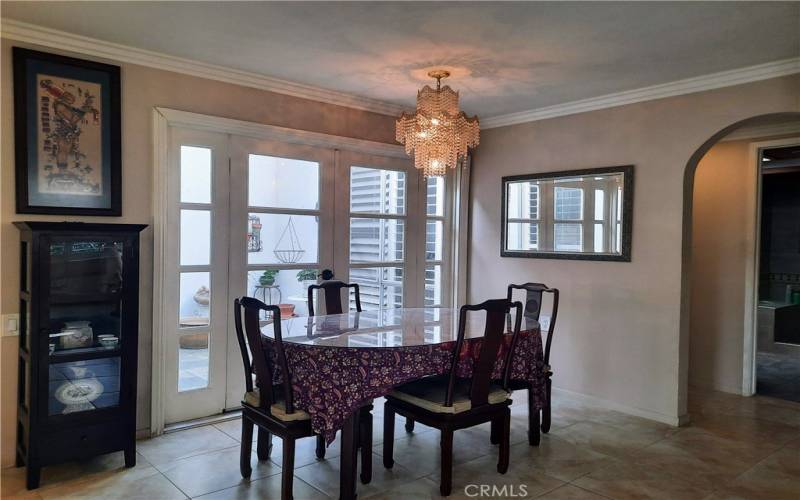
(747, 318)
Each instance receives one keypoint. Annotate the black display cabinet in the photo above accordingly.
(79, 328)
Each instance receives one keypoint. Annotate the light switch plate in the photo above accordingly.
(10, 325)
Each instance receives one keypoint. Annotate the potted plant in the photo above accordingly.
(268, 277)
(307, 277)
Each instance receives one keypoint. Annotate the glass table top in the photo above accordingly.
(402, 327)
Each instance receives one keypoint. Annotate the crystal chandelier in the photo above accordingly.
(438, 133)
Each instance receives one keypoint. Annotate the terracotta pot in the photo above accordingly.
(287, 310)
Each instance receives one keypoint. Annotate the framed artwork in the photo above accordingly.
(67, 135)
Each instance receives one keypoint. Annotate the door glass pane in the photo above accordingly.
(376, 240)
(193, 361)
(434, 239)
(522, 236)
(568, 237)
(433, 285)
(380, 287)
(195, 174)
(195, 237)
(378, 191)
(283, 182)
(282, 238)
(83, 385)
(435, 198)
(568, 203)
(285, 287)
(195, 299)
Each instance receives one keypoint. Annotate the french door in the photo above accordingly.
(264, 218)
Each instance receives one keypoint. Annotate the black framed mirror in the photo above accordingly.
(574, 214)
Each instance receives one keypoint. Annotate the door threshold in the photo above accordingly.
(203, 421)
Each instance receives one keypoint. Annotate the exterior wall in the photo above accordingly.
(621, 337)
(142, 89)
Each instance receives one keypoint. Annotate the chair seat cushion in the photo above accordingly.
(429, 393)
(278, 409)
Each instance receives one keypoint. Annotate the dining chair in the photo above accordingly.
(269, 405)
(333, 305)
(333, 296)
(534, 293)
(449, 403)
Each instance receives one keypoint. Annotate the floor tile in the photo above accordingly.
(625, 480)
(324, 476)
(420, 489)
(214, 471)
(144, 483)
(559, 458)
(267, 488)
(570, 492)
(610, 439)
(483, 471)
(176, 445)
(775, 478)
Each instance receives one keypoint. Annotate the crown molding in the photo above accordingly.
(46, 37)
(680, 87)
(762, 131)
(174, 117)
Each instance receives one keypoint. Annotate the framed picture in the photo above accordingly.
(67, 135)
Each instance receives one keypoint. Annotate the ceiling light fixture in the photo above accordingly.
(438, 134)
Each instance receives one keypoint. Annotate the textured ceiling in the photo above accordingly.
(505, 57)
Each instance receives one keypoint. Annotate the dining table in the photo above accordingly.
(341, 362)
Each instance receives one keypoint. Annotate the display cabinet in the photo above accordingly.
(79, 311)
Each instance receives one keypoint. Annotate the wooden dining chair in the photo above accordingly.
(534, 293)
(270, 406)
(333, 296)
(449, 403)
(333, 305)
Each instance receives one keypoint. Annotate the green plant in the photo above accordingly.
(268, 277)
(307, 275)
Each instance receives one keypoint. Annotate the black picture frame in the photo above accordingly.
(55, 99)
(627, 215)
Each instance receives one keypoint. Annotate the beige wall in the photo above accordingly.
(620, 336)
(142, 89)
(722, 184)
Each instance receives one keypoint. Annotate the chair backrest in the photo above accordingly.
(493, 338)
(266, 353)
(333, 296)
(533, 308)
(248, 367)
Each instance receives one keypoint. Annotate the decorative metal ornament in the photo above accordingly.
(294, 252)
(254, 234)
(438, 134)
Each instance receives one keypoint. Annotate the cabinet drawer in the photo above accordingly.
(82, 442)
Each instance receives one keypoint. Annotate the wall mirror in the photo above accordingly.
(575, 214)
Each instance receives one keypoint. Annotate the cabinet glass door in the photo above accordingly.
(84, 331)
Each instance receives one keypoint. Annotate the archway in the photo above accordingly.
(687, 243)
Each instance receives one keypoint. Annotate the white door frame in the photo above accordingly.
(163, 119)
(753, 255)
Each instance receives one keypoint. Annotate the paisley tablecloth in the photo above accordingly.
(330, 383)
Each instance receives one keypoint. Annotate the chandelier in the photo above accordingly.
(438, 133)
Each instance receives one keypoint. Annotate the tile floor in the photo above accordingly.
(735, 448)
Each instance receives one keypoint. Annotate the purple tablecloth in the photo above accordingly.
(330, 383)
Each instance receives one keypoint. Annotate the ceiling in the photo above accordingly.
(504, 57)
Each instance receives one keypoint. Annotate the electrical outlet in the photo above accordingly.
(10, 325)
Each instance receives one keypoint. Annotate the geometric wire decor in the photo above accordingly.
(293, 252)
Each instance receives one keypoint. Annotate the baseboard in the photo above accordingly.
(674, 421)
